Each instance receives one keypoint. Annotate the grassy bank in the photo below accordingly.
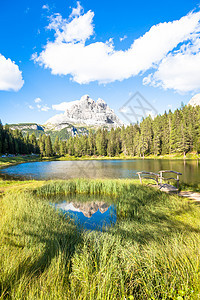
(7, 161)
(176, 156)
(151, 253)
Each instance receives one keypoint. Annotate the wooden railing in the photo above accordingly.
(148, 175)
(161, 178)
(158, 177)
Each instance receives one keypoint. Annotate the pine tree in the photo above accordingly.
(1, 137)
(56, 146)
(33, 142)
(157, 132)
(101, 142)
(48, 147)
(146, 136)
(42, 139)
(91, 143)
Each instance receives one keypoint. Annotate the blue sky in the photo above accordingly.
(56, 51)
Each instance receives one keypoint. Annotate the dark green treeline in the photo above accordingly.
(177, 132)
(13, 142)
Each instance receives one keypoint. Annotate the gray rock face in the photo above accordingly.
(195, 100)
(26, 126)
(85, 112)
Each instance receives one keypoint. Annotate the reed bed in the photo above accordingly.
(151, 253)
(85, 186)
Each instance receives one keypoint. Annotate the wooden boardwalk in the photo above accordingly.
(190, 195)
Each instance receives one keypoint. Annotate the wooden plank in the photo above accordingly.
(168, 188)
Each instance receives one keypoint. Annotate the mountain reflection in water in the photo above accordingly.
(95, 215)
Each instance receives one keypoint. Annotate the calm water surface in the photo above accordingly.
(102, 169)
(93, 215)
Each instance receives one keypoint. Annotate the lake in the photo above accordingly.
(101, 169)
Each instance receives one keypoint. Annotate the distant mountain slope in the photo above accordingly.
(26, 126)
(63, 133)
(78, 118)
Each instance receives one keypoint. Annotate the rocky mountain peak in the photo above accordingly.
(87, 112)
(85, 98)
(195, 100)
(101, 103)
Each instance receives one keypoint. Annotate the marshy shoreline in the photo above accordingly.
(152, 251)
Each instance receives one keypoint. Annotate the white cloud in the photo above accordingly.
(45, 108)
(179, 71)
(77, 11)
(45, 6)
(78, 30)
(39, 106)
(64, 105)
(123, 38)
(10, 75)
(98, 61)
(37, 100)
(34, 56)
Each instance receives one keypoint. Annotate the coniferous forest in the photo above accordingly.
(13, 142)
(177, 132)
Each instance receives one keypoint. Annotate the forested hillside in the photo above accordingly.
(177, 132)
(13, 142)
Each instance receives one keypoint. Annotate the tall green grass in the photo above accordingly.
(151, 253)
(84, 186)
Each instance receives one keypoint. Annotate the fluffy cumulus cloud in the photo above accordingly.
(10, 75)
(179, 71)
(160, 49)
(78, 30)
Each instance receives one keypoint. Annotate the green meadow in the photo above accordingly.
(151, 253)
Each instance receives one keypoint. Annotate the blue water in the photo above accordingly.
(102, 169)
(96, 221)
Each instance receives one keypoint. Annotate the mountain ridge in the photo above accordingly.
(85, 112)
(79, 116)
